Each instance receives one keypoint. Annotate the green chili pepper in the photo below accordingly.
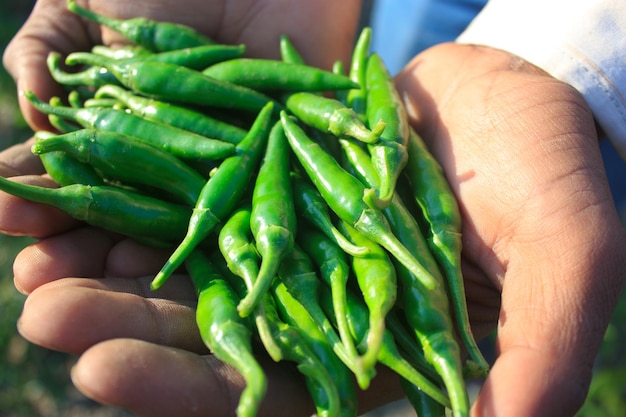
(110, 208)
(197, 57)
(127, 159)
(273, 217)
(151, 34)
(266, 74)
(179, 116)
(176, 83)
(376, 276)
(389, 154)
(294, 313)
(330, 115)
(311, 206)
(300, 277)
(388, 354)
(179, 142)
(122, 52)
(340, 95)
(242, 259)
(221, 193)
(93, 76)
(332, 266)
(357, 97)
(296, 348)
(427, 310)
(288, 51)
(344, 195)
(441, 211)
(224, 332)
(65, 169)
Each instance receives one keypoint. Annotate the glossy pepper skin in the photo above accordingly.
(197, 57)
(301, 280)
(376, 278)
(273, 216)
(388, 355)
(110, 208)
(222, 192)
(389, 154)
(179, 142)
(227, 335)
(236, 246)
(65, 169)
(427, 310)
(151, 34)
(440, 209)
(344, 195)
(179, 116)
(176, 83)
(268, 75)
(310, 205)
(127, 159)
(92, 76)
(356, 98)
(294, 313)
(331, 263)
(330, 115)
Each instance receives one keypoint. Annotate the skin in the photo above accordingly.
(543, 255)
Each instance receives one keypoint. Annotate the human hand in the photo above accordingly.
(520, 151)
(258, 25)
(88, 294)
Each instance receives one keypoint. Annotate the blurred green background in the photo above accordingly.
(34, 382)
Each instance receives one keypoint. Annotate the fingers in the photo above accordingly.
(156, 381)
(84, 252)
(72, 314)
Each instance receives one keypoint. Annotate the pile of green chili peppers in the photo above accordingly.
(313, 221)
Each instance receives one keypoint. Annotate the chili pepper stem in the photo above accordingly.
(202, 222)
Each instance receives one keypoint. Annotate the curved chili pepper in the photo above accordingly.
(151, 34)
(176, 83)
(344, 195)
(376, 276)
(389, 154)
(426, 309)
(129, 160)
(296, 348)
(196, 57)
(357, 97)
(93, 76)
(333, 268)
(330, 115)
(311, 206)
(266, 74)
(388, 354)
(242, 259)
(111, 208)
(122, 52)
(179, 142)
(227, 336)
(294, 313)
(221, 193)
(300, 278)
(273, 217)
(179, 116)
(65, 169)
(289, 52)
(441, 211)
